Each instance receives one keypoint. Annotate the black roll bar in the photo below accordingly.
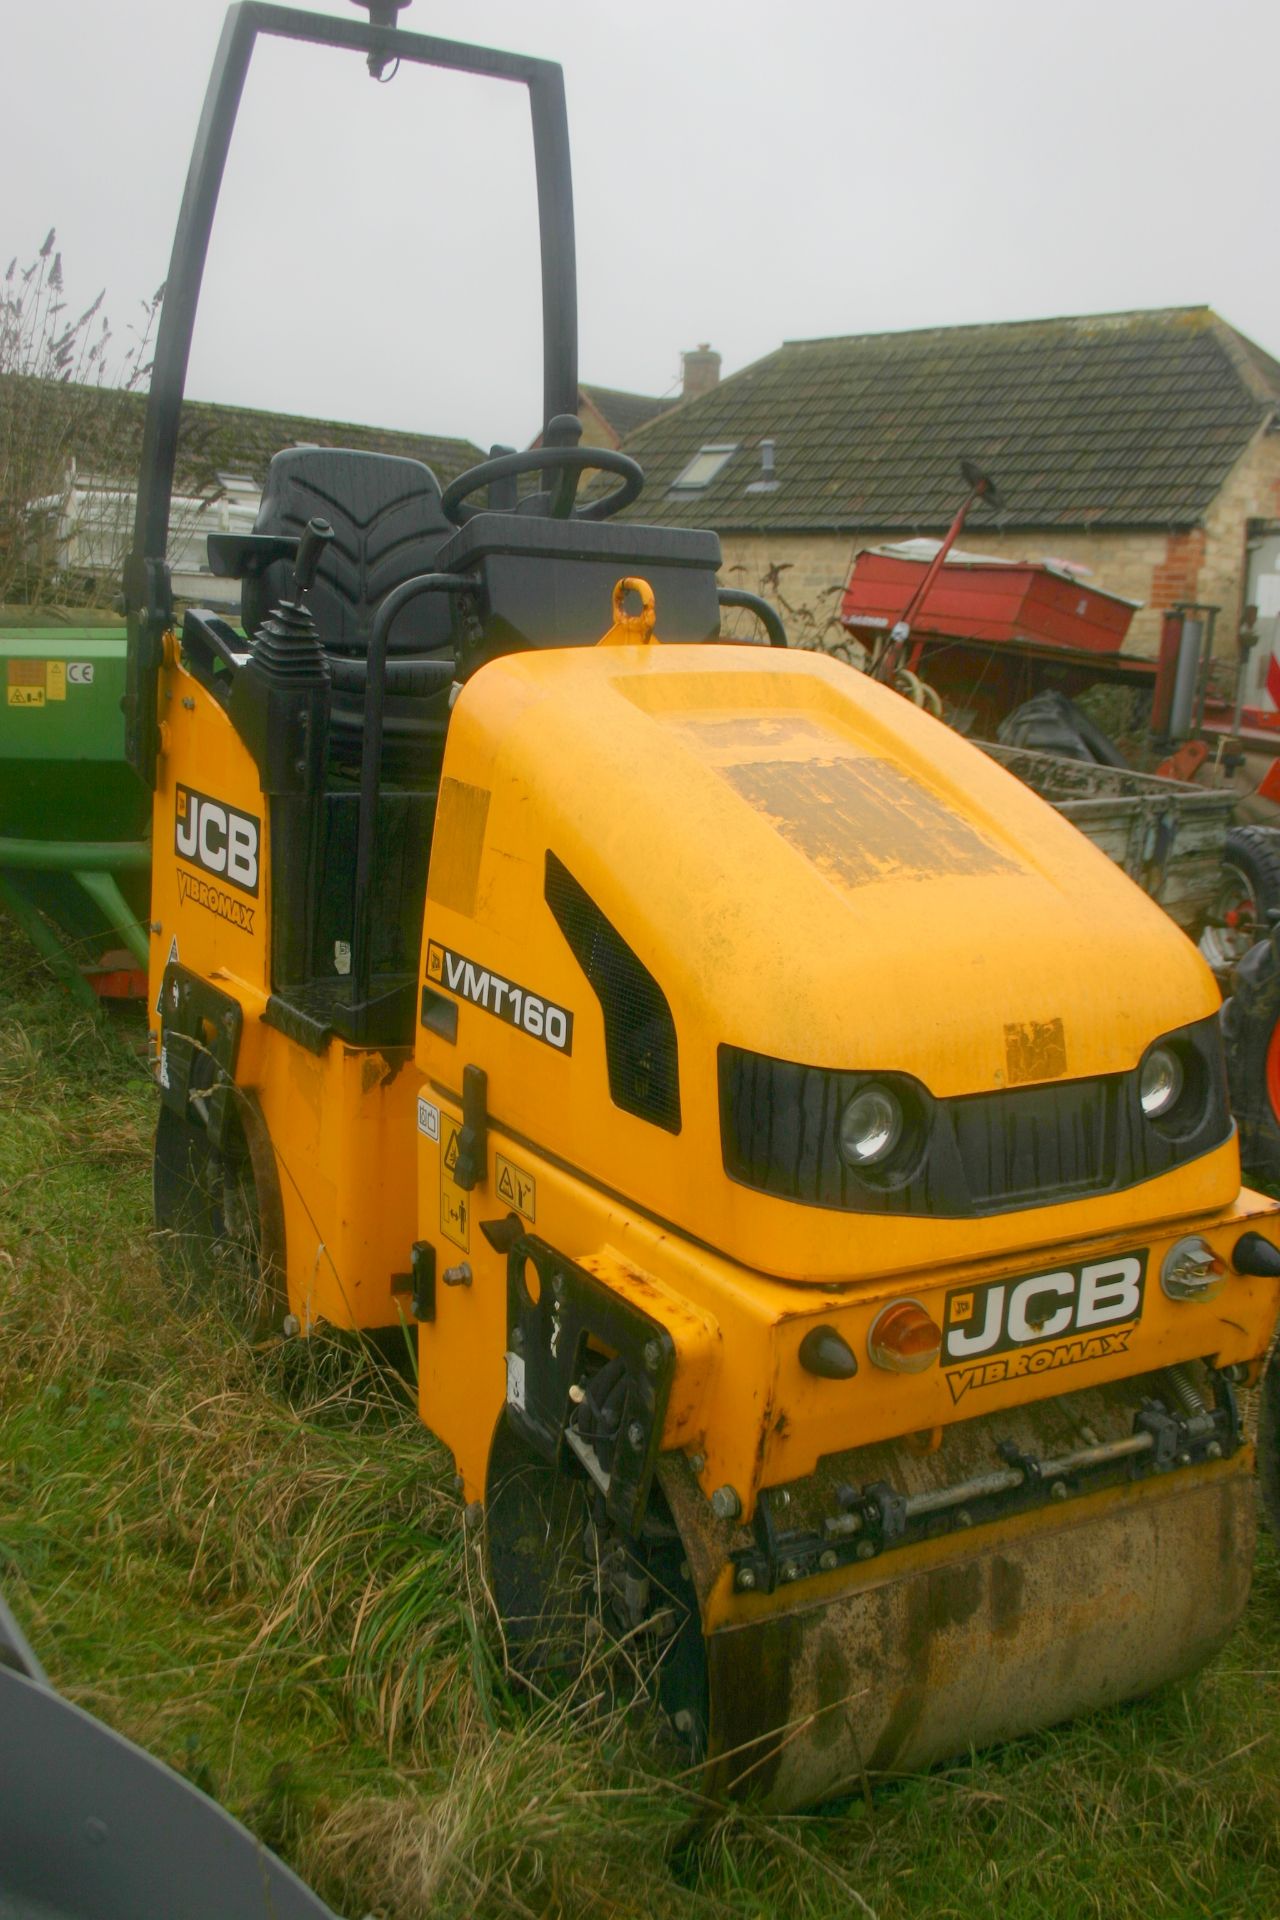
(148, 600)
(375, 675)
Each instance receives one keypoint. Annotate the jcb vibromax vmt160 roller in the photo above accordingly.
(806, 1158)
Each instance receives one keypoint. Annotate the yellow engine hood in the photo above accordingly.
(812, 869)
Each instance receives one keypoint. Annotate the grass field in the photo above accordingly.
(254, 1565)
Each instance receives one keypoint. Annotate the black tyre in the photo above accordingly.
(1251, 1037)
(220, 1219)
(1050, 723)
(1249, 890)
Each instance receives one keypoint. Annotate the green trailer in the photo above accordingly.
(74, 817)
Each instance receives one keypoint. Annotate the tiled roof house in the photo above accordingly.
(609, 417)
(92, 440)
(215, 438)
(1143, 446)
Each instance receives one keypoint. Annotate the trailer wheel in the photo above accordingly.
(1251, 1036)
(1248, 891)
(220, 1218)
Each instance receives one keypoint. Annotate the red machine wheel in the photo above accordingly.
(1269, 1443)
(1273, 1072)
(1251, 1035)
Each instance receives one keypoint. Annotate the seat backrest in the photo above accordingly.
(388, 526)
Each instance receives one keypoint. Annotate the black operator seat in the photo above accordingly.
(388, 526)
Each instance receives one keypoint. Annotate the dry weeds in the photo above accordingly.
(254, 1563)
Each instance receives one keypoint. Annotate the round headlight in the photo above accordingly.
(870, 1127)
(1160, 1082)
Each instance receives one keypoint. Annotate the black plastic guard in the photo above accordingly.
(548, 1340)
(90, 1824)
(199, 1040)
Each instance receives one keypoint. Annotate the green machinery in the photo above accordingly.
(74, 817)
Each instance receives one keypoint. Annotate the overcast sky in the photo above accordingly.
(745, 173)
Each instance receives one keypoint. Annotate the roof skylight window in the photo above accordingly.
(706, 463)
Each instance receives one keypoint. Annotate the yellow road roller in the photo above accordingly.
(804, 1158)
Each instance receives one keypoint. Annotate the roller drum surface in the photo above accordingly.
(978, 1636)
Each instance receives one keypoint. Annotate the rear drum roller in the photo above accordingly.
(577, 1597)
(219, 1216)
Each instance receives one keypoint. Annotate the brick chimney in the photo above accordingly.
(701, 371)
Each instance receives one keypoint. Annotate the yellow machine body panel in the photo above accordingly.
(742, 1404)
(812, 872)
(811, 869)
(347, 1179)
(340, 1122)
(211, 880)
(806, 1158)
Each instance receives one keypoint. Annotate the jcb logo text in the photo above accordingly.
(218, 838)
(1004, 1314)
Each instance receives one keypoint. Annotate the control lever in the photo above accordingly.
(316, 536)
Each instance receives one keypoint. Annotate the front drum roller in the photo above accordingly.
(803, 1694)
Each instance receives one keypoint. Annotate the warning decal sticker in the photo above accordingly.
(516, 1188)
(1035, 1050)
(172, 961)
(26, 683)
(455, 1201)
(32, 682)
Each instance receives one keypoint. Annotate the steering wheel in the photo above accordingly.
(570, 462)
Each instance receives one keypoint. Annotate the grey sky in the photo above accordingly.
(744, 173)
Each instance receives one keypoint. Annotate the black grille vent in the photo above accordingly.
(1027, 1142)
(639, 1033)
(977, 1154)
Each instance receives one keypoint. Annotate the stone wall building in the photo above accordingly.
(1144, 447)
